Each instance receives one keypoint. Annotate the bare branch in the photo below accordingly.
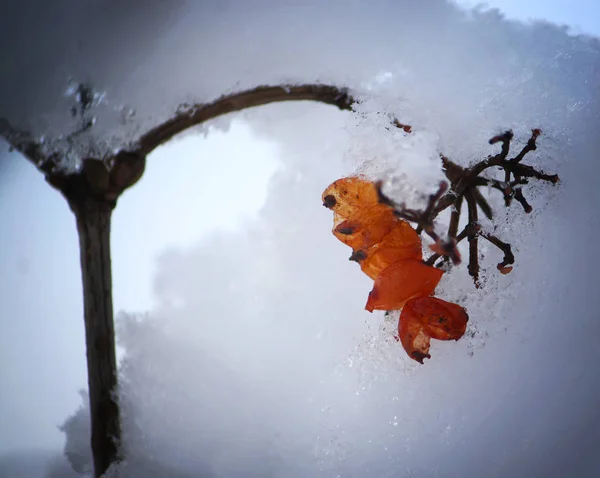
(530, 146)
(464, 184)
(505, 138)
(522, 170)
(473, 246)
(509, 258)
(467, 230)
(196, 114)
(482, 203)
(193, 115)
(455, 218)
(126, 167)
(521, 199)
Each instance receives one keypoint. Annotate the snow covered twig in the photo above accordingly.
(462, 186)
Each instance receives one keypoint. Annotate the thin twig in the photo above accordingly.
(423, 219)
(509, 258)
(455, 218)
(505, 138)
(464, 184)
(530, 146)
(473, 267)
(463, 234)
(482, 203)
(521, 199)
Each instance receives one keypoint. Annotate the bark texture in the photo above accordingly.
(93, 218)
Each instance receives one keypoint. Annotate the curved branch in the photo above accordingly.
(194, 115)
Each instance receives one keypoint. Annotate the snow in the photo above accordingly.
(259, 359)
(200, 51)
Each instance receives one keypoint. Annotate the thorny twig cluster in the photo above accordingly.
(463, 187)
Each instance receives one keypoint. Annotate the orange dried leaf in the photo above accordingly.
(364, 229)
(444, 320)
(401, 243)
(389, 251)
(400, 282)
(426, 318)
(414, 340)
(347, 196)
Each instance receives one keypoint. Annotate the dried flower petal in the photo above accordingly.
(350, 195)
(401, 243)
(400, 282)
(426, 318)
(364, 229)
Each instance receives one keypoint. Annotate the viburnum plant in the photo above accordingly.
(390, 252)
